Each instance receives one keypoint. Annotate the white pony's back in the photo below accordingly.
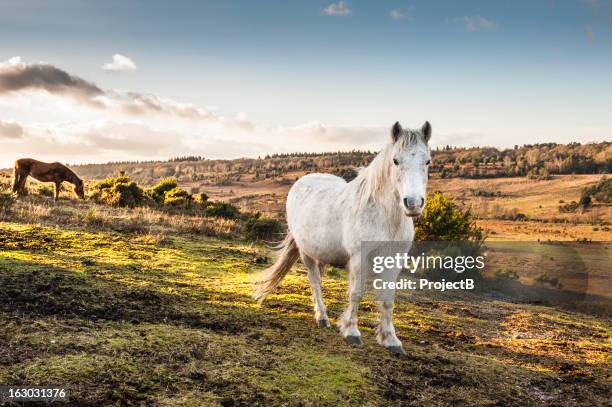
(316, 206)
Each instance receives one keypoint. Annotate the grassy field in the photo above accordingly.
(538, 200)
(141, 318)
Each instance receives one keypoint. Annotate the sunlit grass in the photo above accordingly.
(131, 318)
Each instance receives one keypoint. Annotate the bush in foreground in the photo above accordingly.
(158, 191)
(261, 227)
(178, 198)
(443, 220)
(119, 192)
(220, 209)
(7, 199)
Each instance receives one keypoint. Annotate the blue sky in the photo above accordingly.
(310, 72)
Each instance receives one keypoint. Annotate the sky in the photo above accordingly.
(85, 81)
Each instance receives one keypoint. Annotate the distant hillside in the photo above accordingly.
(537, 161)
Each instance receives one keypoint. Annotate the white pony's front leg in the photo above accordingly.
(348, 321)
(385, 332)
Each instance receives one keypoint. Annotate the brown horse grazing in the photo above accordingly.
(46, 172)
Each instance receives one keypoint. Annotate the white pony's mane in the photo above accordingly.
(374, 179)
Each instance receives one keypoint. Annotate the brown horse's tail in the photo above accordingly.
(271, 277)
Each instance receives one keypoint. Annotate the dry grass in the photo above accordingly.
(142, 220)
(537, 199)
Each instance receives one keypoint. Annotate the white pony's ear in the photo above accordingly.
(426, 131)
(396, 131)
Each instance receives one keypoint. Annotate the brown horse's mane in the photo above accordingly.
(74, 178)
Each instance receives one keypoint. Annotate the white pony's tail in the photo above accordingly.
(271, 277)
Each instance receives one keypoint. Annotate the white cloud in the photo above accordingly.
(405, 15)
(396, 14)
(340, 9)
(11, 62)
(473, 23)
(120, 63)
(10, 130)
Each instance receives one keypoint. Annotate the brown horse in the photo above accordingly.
(46, 172)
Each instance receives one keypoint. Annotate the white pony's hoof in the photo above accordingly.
(354, 340)
(324, 323)
(396, 350)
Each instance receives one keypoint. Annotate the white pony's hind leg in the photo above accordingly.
(348, 321)
(315, 272)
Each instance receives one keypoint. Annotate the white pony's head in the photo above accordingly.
(408, 158)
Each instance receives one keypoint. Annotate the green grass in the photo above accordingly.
(135, 319)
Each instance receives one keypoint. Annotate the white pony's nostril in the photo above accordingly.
(411, 203)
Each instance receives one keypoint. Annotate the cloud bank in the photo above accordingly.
(17, 76)
(10, 130)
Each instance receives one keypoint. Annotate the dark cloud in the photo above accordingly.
(17, 76)
(10, 130)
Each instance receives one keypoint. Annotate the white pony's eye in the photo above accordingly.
(395, 161)
(428, 162)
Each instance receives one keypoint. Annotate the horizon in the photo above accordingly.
(233, 80)
(298, 153)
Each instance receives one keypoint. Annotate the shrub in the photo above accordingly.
(261, 227)
(201, 198)
(585, 200)
(158, 191)
(485, 193)
(602, 191)
(444, 220)
(547, 279)
(118, 191)
(178, 197)
(7, 199)
(520, 217)
(348, 174)
(94, 218)
(569, 207)
(45, 190)
(506, 273)
(455, 233)
(220, 209)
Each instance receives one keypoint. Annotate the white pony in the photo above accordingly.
(328, 219)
